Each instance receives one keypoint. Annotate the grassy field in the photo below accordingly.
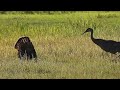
(63, 53)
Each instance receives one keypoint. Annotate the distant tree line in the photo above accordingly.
(35, 12)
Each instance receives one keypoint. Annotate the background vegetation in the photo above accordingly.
(62, 51)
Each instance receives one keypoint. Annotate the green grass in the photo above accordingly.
(62, 51)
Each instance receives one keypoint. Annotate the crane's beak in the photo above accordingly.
(83, 33)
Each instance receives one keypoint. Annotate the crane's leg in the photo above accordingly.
(116, 59)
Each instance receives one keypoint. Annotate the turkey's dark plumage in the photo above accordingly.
(25, 46)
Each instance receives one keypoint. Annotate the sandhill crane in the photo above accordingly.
(107, 45)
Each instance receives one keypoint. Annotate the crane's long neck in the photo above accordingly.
(92, 36)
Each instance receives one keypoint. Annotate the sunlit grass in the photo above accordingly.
(61, 49)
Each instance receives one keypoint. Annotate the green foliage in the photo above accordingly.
(35, 12)
(62, 51)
